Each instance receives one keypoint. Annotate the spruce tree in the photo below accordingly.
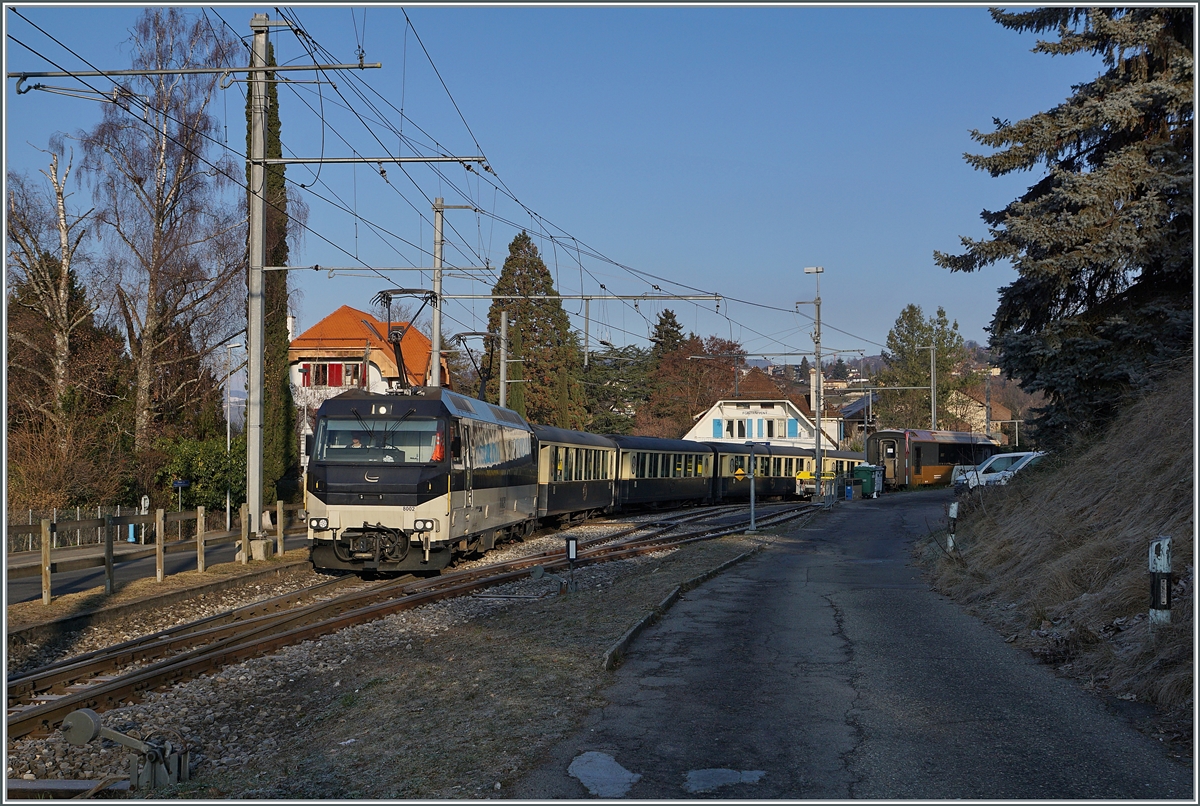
(668, 335)
(280, 441)
(544, 325)
(1103, 240)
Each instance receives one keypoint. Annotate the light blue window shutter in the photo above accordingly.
(760, 427)
(716, 429)
(792, 426)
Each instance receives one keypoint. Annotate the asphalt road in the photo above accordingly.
(825, 668)
(25, 589)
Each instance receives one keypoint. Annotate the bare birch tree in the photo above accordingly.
(172, 233)
(43, 240)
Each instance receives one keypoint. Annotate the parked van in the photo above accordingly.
(984, 470)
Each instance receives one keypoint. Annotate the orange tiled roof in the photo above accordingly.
(347, 332)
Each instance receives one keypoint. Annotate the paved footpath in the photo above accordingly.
(825, 668)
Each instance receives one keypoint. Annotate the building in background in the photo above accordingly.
(349, 349)
(780, 422)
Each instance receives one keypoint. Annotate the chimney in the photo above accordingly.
(291, 326)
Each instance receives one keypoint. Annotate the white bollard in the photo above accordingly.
(1160, 581)
(953, 521)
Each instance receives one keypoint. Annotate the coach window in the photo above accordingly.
(690, 466)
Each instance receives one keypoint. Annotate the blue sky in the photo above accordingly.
(716, 148)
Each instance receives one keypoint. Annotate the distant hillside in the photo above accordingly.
(1058, 560)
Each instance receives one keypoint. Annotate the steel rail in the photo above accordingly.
(241, 639)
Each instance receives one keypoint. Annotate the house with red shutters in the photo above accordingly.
(349, 349)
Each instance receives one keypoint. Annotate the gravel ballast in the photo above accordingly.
(451, 700)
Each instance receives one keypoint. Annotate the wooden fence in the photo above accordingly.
(155, 530)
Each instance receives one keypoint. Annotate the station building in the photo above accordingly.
(780, 422)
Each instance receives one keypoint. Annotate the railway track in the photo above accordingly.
(103, 679)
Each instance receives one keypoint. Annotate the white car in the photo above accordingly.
(979, 474)
(1005, 476)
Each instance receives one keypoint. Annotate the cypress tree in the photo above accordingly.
(516, 391)
(1102, 242)
(280, 441)
(543, 323)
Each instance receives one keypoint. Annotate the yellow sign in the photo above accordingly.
(739, 474)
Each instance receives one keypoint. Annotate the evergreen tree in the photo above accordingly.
(279, 438)
(907, 360)
(839, 371)
(544, 323)
(616, 385)
(668, 335)
(516, 391)
(1103, 241)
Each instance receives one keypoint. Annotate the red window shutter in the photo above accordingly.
(305, 374)
(335, 374)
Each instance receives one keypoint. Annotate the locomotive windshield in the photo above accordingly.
(371, 439)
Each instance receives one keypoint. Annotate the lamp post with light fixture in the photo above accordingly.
(818, 403)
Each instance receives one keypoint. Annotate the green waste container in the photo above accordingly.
(872, 479)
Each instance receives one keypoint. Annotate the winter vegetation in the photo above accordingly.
(1058, 558)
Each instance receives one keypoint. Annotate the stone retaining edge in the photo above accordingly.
(616, 653)
(49, 629)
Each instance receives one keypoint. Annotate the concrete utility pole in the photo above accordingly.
(255, 312)
(932, 385)
(504, 359)
(435, 353)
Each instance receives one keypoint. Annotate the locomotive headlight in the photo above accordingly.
(423, 525)
(319, 524)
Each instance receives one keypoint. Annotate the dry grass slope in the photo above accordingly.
(1058, 559)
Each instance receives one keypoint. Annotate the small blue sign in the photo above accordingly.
(181, 483)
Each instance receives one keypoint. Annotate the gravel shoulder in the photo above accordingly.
(453, 700)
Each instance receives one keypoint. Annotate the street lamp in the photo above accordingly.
(818, 403)
(229, 348)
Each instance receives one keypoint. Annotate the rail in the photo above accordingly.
(40, 699)
(154, 530)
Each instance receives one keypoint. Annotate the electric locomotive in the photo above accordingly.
(406, 481)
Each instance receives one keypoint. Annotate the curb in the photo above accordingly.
(617, 652)
(49, 629)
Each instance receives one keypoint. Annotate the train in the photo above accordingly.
(408, 481)
(917, 458)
